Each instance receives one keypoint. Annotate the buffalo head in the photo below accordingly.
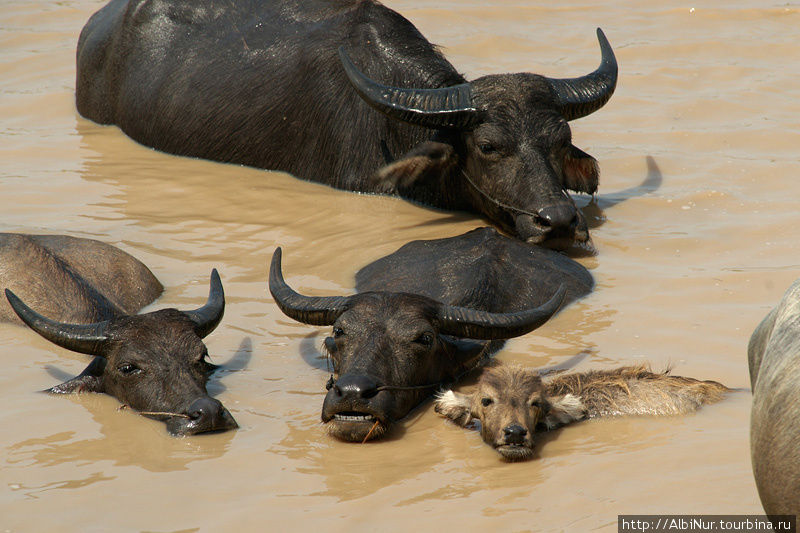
(390, 350)
(502, 141)
(155, 363)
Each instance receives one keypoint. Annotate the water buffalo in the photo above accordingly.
(481, 269)
(391, 350)
(774, 360)
(154, 362)
(349, 94)
(513, 402)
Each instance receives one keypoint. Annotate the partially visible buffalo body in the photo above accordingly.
(774, 359)
(481, 269)
(415, 325)
(345, 93)
(88, 293)
(71, 279)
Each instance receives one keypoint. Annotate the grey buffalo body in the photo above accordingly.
(346, 93)
(86, 294)
(72, 279)
(774, 359)
(416, 325)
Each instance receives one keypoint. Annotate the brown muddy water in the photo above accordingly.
(696, 225)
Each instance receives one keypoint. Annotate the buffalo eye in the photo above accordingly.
(129, 369)
(337, 332)
(486, 402)
(425, 339)
(487, 148)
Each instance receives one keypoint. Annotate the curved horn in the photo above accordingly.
(447, 107)
(208, 317)
(84, 338)
(582, 96)
(314, 310)
(474, 324)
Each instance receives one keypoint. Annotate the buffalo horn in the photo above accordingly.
(582, 96)
(208, 317)
(314, 310)
(483, 325)
(84, 338)
(446, 107)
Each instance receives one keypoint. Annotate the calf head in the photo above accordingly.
(510, 403)
(505, 140)
(390, 351)
(155, 363)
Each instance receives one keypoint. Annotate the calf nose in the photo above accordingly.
(355, 386)
(557, 216)
(515, 434)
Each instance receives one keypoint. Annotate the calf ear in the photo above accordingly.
(455, 406)
(581, 173)
(430, 158)
(564, 410)
(90, 380)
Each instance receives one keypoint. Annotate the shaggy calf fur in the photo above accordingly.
(512, 402)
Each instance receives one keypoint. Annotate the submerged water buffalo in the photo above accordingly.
(481, 269)
(154, 362)
(774, 359)
(405, 333)
(332, 92)
(512, 403)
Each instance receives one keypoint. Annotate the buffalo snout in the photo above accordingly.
(205, 414)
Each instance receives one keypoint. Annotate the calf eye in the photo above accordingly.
(338, 332)
(129, 369)
(486, 402)
(426, 339)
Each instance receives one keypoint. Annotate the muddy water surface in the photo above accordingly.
(696, 226)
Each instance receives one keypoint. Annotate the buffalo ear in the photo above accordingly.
(430, 158)
(455, 406)
(581, 173)
(564, 410)
(90, 380)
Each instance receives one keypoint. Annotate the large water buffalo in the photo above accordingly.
(408, 330)
(512, 403)
(774, 359)
(346, 93)
(154, 363)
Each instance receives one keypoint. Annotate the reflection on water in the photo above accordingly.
(125, 439)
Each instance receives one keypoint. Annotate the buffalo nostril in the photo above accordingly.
(515, 434)
(557, 216)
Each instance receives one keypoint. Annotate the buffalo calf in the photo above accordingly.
(512, 402)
